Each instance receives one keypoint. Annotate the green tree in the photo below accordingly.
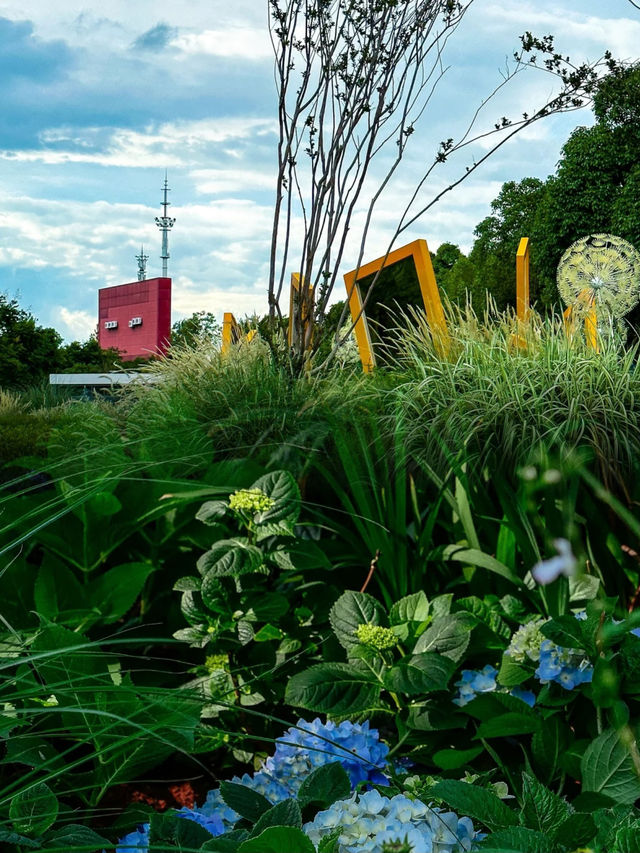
(28, 352)
(201, 324)
(87, 357)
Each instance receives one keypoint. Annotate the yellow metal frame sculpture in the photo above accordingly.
(590, 318)
(419, 251)
(522, 280)
(232, 333)
(300, 299)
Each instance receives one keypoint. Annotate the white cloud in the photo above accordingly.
(239, 42)
(74, 325)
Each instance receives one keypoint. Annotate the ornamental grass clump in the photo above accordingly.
(505, 388)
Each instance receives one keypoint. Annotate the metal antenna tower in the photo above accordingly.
(142, 264)
(165, 224)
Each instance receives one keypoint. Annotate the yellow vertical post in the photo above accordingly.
(300, 311)
(229, 331)
(522, 280)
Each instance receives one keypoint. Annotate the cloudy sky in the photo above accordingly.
(98, 98)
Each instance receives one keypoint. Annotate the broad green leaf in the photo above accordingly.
(9, 837)
(479, 803)
(330, 842)
(351, 610)
(212, 511)
(103, 505)
(453, 759)
(441, 605)
(227, 843)
(247, 802)
(336, 688)
(278, 839)
(576, 831)
(281, 487)
(229, 558)
(548, 745)
(448, 635)
(485, 614)
(512, 674)
(411, 608)
(583, 587)
(268, 633)
(607, 768)
(265, 606)
(33, 810)
(542, 810)
(116, 591)
(566, 631)
(474, 557)
(517, 839)
(188, 584)
(170, 830)
(507, 725)
(57, 591)
(419, 674)
(301, 556)
(626, 840)
(74, 835)
(325, 785)
(285, 813)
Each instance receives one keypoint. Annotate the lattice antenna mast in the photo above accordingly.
(142, 264)
(165, 224)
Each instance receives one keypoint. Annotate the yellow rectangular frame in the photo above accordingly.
(522, 280)
(307, 306)
(419, 251)
(231, 332)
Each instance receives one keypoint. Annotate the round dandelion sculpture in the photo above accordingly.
(599, 277)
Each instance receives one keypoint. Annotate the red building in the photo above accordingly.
(135, 318)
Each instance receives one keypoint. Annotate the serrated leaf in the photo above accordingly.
(33, 810)
(576, 831)
(626, 840)
(228, 558)
(542, 810)
(411, 608)
(278, 839)
(188, 584)
(512, 674)
(507, 725)
(285, 813)
(566, 631)
(282, 488)
(227, 843)
(9, 837)
(212, 511)
(453, 759)
(607, 768)
(74, 835)
(325, 785)
(485, 614)
(301, 556)
(419, 674)
(583, 587)
(247, 802)
(336, 688)
(478, 803)
(170, 830)
(330, 843)
(448, 635)
(441, 605)
(351, 610)
(517, 839)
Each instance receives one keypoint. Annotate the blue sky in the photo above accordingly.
(99, 98)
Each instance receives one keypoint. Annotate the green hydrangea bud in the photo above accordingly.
(397, 847)
(376, 637)
(250, 501)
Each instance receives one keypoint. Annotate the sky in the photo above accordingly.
(98, 99)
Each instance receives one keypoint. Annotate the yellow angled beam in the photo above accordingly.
(522, 280)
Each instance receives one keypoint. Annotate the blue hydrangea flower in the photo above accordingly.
(564, 563)
(567, 667)
(527, 696)
(369, 820)
(473, 682)
(135, 841)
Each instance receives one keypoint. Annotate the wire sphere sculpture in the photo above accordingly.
(600, 272)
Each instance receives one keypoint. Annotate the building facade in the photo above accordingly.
(135, 318)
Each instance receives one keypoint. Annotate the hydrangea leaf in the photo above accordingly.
(454, 759)
(74, 835)
(229, 558)
(350, 611)
(33, 810)
(448, 635)
(248, 803)
(325, 785)
(512, 674)
(607, 769)
(168, 829)
(336, 688)
(282, 488)
(548, 745)
(478, 803)
(576, 831)
(278, 839)
(286, 813)
(9, 837)
(420, 674)
(507, 725)
(411, 608)
(212, 511)
(542, 810)
(567, 631)
(517, 839)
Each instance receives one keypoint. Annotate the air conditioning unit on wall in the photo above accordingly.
(135, 321)
(111, 324)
